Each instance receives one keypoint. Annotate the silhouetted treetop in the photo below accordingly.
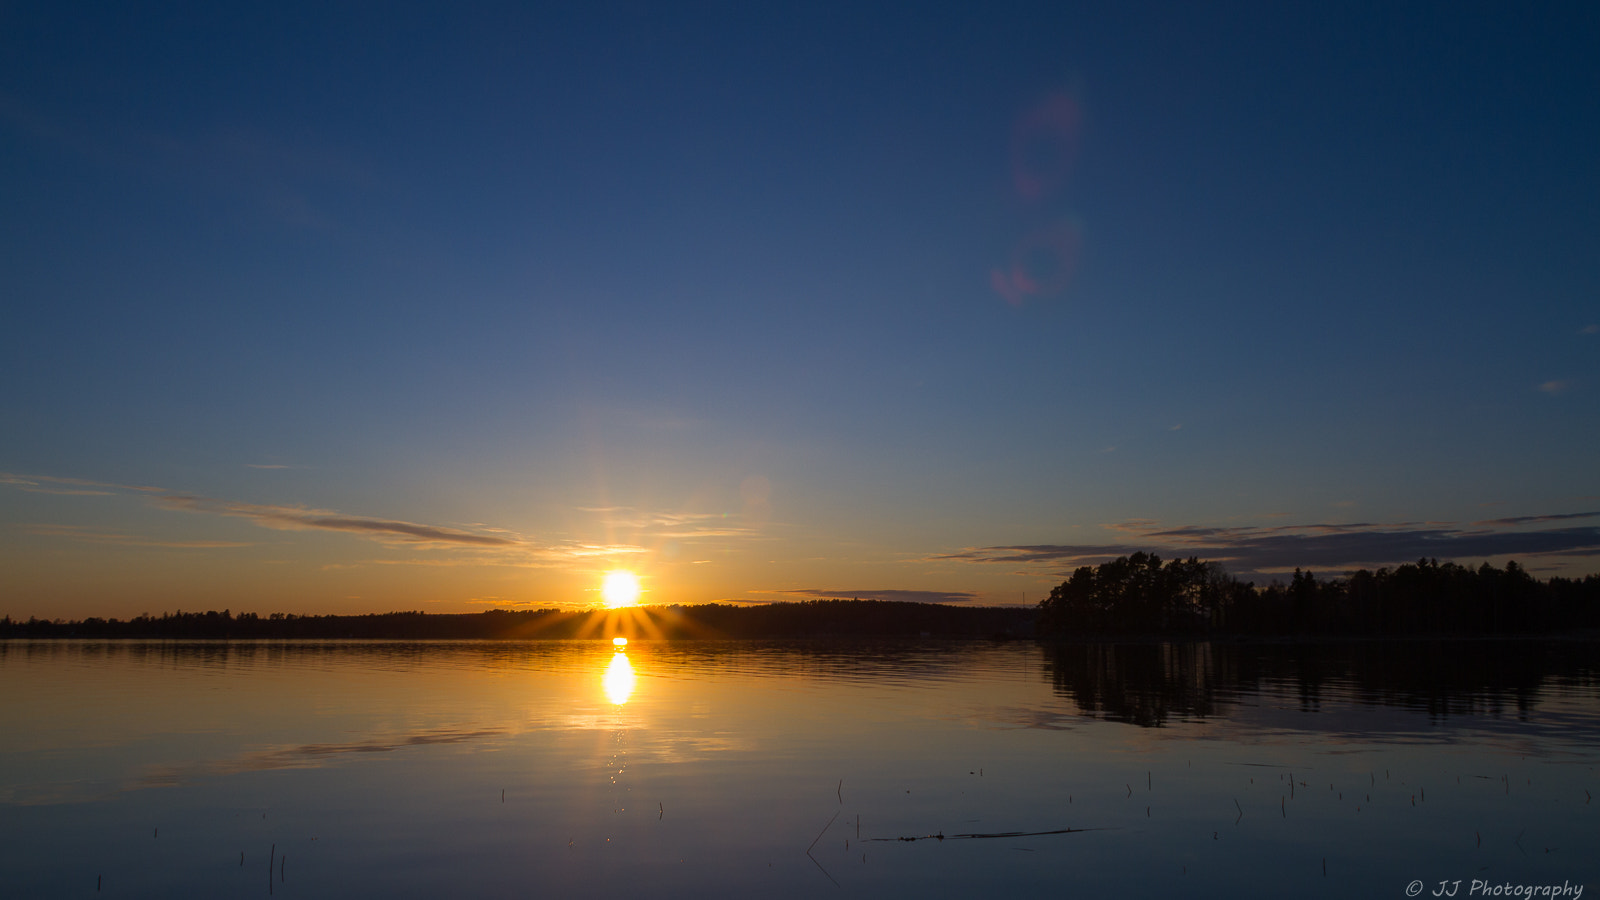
(1137, 594)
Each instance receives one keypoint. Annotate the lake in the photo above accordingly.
(798, 769)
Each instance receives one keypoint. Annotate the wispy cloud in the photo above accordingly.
(75, 533)
(671, 525)
(629, 517)
(1523, 520)
(1329, 546)
(482, 544)
(1555, 387)
(295, 518)
(47, 484)
(577, 550)
(882, 594)
(526, 555)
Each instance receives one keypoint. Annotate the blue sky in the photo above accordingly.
(766, 302)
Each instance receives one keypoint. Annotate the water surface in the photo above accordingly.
(795, 769)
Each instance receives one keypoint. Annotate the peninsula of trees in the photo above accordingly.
(1136, 595)
(1139, 595)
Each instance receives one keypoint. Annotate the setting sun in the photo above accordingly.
(620, 589)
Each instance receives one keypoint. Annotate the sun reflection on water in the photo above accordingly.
(618, 679)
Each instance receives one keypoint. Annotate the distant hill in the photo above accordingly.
(811, 618)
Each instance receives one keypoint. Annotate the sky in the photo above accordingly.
(336, 307)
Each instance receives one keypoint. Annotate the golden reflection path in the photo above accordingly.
(618, 679)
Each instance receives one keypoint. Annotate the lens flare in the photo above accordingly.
(1044, 145)
(1042, 265)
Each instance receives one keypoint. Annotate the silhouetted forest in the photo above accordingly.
(1139, 595)
(1132, 595)
(811, 618)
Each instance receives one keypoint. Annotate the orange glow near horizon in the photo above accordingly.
(620, 589)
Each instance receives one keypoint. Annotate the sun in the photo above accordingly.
(620, 589)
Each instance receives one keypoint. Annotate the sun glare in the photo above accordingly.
(620, 589)
(618, 679)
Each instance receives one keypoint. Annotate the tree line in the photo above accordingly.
(1131, 595)
(1138, 594)
(810, 618)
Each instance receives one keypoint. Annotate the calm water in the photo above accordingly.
(568, 769)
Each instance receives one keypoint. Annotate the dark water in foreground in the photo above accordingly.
(796, 769)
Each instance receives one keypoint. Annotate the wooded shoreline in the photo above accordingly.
(1131, 598)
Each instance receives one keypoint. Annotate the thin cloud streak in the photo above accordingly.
(1523, 520)
(1323, 546)
(487, 545)
(669, 525)
(40, 481)
(526, 556)
(126, 540)
(297, 518)
(903, 596)
(458, 545)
